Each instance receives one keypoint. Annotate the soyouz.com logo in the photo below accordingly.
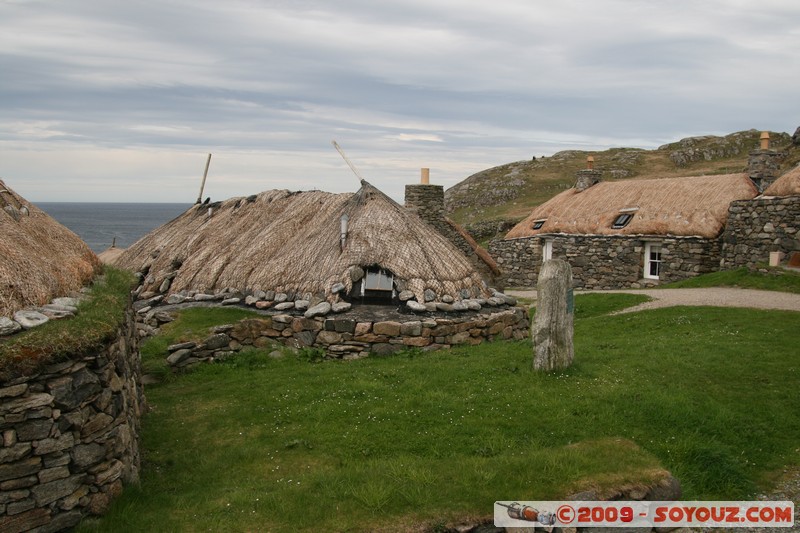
(644, 514)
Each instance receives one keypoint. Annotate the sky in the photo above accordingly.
(121, 101)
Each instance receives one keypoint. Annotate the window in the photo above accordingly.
(537, 224)
(377, 286)
(547, 250)
(652, 260)
(622, 220)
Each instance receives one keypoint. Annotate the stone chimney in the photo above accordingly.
(588, 176)
(763, 165)
(426, 199)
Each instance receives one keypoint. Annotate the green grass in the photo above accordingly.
(190, 325)
(97, 321)
(710, 394)
(776, 279)
(597, 304)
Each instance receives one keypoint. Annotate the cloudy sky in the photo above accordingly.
(107, 100)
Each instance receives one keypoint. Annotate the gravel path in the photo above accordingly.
(713, 296)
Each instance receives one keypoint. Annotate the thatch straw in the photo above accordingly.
(786, 185)
(39, 258)
(689, 206)
(110, 255)
(285, 241)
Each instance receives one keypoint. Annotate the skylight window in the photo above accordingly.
(622, 220)
(537, 224)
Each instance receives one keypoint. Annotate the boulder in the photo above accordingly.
(341, 307)
(404, 296)
(416, 306)
(301, 305)
(320, 309)
(8, 326)
(429, 295)
(30, 319)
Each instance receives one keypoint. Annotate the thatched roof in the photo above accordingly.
(110, 255)
(670, 206)
(290, 241)
(39, 258)
(786, 185)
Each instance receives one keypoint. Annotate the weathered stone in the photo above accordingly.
(66, 301)
(337, 288)
(177, 356)
(329, 337)
(181, 346)
(301, 305)
(413, 328)
(202, 297)
(30, 319)
(461, 338)
(215, 342)
(34, 429)
(447, 299)
(283, 319)
(305, 338)
(389, 328)
(52, 474)
(263, 305)
(431, 307)
(385, 348)
(46, 446)
(269, 295)
(31, 401)
(21, 468)
(342, 325)
(441, 306)
(8, 326)
(341, 307)
(173, 299)
(281, 297)
(552, 330)
(96, 424)
(429, 295)
(86, 455)
(13, 391)
(406, 295)
(24, 521)
(50, 492)
(12, 453)
(250, 300)
(284, 306)
(416, 341)
(320, 309)
(459, 306)
(356, 273)
(473, 305)
(416, 306)
(231, 301)
(362, 328)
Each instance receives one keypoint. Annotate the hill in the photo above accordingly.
(490, 202)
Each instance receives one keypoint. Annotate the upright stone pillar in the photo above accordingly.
(552, 329)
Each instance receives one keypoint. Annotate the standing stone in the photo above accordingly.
(552, 329)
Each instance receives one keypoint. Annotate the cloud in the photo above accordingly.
(117, 101)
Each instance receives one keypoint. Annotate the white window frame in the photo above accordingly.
(547, 250)
(648, 262)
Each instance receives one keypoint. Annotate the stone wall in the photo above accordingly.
(350, 337)
(605, 262)
(70, 437)
(760, 226)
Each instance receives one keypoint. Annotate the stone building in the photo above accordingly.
(637, 233)
(309, 246)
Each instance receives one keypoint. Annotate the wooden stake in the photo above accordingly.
(203, 185)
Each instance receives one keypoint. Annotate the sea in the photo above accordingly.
(102, 224)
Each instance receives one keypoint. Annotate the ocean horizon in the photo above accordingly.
(102, 224)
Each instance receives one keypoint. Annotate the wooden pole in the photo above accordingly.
(203, 185)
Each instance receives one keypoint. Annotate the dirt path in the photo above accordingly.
(714, 296)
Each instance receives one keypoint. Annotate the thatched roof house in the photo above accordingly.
(786, 185)
(39, 258)
(293, 242)
(628, 233)
(687, 206)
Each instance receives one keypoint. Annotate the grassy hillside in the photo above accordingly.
(507, 193)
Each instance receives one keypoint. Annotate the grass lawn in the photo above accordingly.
(259, 444)
(775, 280)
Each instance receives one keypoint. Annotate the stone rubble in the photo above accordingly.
(58, 308)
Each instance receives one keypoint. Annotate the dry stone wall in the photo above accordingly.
(760, 226)
(70, 437)
(349, 337)
(605, 262)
